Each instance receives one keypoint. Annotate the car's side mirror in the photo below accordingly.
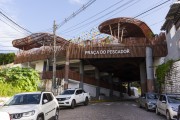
(163, 101)
(45, 101)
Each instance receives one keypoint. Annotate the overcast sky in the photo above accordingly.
(38, 16)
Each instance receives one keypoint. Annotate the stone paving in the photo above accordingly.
(108, 111)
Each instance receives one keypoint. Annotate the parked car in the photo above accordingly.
(32, 106)
(148, 101)
(4, 116)
(167, 105)
(71, 97)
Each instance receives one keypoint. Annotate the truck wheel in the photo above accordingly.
(73, 103)
(86, 102)
(157, 111)
(56, 117)
(168, 115)
(40, 118)
(146, 107)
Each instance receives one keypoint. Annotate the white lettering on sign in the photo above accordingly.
(100, 52)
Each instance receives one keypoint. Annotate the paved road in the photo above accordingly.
(108, 111)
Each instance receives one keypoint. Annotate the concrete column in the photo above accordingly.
(97, 77)
(66, 77)
(129, 89)
(121, 90)
(149, 69)
(47, 65)
(81, 67)
(111, 85)
(143, 78)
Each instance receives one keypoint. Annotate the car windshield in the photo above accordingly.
(68, 92)
(24, 99)
(174, 99)
(152, 96)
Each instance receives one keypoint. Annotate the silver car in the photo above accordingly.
(148, 101)
(167, 105)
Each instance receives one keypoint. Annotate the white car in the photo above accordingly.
(71, 97)
(4, 116)
(167, 105)
(32, 106)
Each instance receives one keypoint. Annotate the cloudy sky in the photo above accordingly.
(38, 16)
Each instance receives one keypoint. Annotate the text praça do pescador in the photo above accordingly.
(96, 52)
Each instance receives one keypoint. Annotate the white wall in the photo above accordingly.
(116, 93)
(172, 31)
(73, 84)
(39, 66)
(91, 89)
(105, 91)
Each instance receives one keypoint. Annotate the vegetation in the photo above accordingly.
(161, 72)
(6, 58)
(15, 80)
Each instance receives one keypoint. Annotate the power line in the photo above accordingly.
(76, 13)
(133, 17)
(152, 8)
(15, 22)
(157, 22)
(95, 15)
(128, 2)
(155, 11)
(73, 14)
(10, 26)
(116, 13)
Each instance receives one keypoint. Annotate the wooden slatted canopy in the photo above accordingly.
(37, 40)
(126, 27)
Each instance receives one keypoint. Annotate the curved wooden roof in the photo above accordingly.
(37, 40)
(131, 28)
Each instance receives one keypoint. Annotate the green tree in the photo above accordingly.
(22, 79)
(6, 58)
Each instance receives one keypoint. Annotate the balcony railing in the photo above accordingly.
(74, 76)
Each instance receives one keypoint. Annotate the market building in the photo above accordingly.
(99, 66)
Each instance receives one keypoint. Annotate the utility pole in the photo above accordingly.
(54, 57)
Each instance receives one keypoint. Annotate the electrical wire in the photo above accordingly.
(94, 15)
(146, 10)
(157, 22)
(128, 2)
(12, 26)
(151, 8)
(14, 22)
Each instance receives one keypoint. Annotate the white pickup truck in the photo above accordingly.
(71, 97)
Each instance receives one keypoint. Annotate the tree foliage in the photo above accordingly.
(22, 79)
(162, 70)
(6, 58)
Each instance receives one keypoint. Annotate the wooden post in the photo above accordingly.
(118, 30)
(66, 77)
(122, 34)
(110, 30)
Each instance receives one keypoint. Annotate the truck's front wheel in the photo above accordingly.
(86, 102)
(73, 103)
